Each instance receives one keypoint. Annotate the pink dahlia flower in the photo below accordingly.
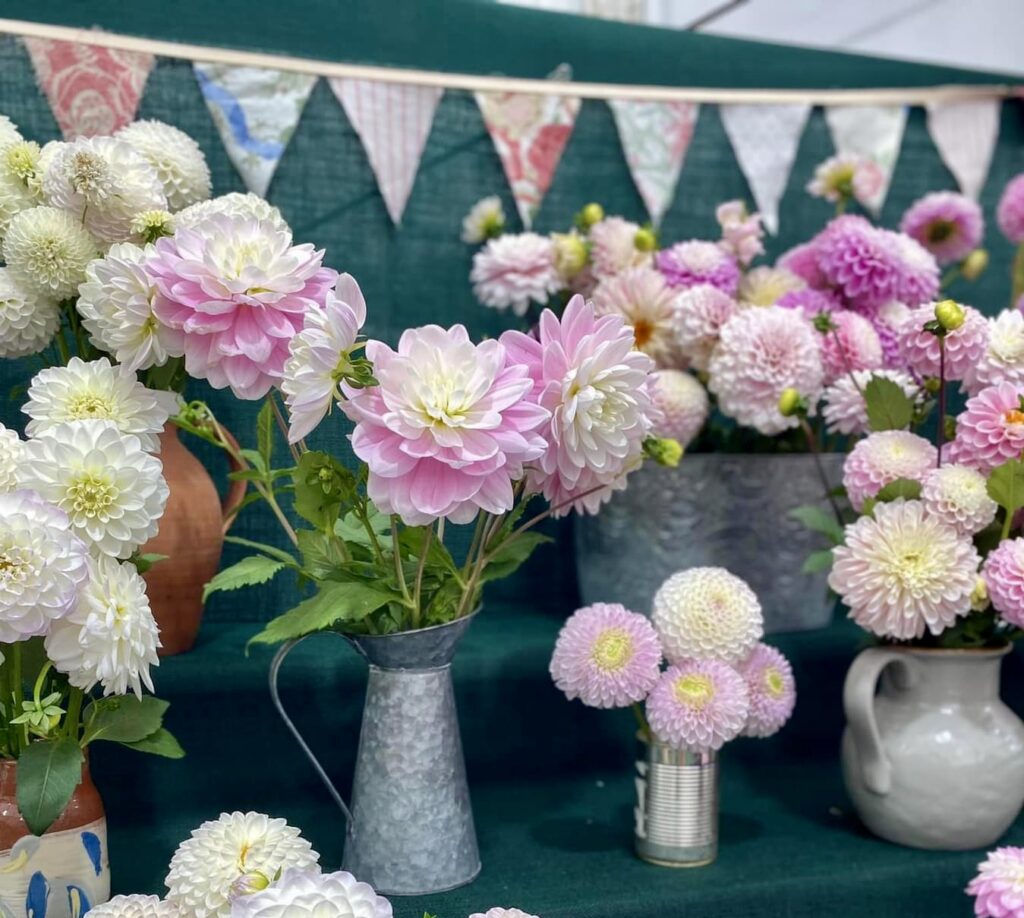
(810, 302)
(884, 457)
(613, 247)
(964, 346)
(958, 496)
(802, 260)
(701, 312)
(857, 259)
(853, 344)
(682, 404)
(998, 889)
(990, 430)
(1004, 577)
(238, 290)
(845, 411)
(742, 232)
(647, 303)
(448, 429)
(515, 270)
(901, 571)
(1010, 213)
(688, 264)
(947, 224)
(698, 705)
(595, 386)
(772, 690)
(1003, 360)
(918, 270)
(760, 353)
(887, 319)
(498, 912)
(606, 656)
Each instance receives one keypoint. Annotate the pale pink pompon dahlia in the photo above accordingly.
(947, 224)
(449, 427)
(238, 290)
(772, 689)
(700, 314)
(606, 656)
(883, 457)
(499, 912)
(844, 408)
(1010, 213)
(694, 262)
(990, 430)
(699, 705)
(902, 572)
(964, 346)
(1004, 578)
(515, 270)
(682, 405)
(613, 247)
(852, 344)
(596, 389)
(998, 889)
(958, 496)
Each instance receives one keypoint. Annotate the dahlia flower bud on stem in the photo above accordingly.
(792, 404)
(664, 450)
(974, 265)
(646, 240)
(950, 315)
(591, 213)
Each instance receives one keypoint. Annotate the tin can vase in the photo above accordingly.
(63, 872)
(409, 822)
(677, 806)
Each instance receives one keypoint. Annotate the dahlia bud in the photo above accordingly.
(979, 596)
(645, 240)
(950, 315)
(570, 254)
(663, 450)
(248, 883)
(974, 264)
(932, 384)
(791, 403)
(592, 213)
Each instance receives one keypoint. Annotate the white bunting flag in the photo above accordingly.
(655, 137)
(393, 120)
(965, 134)
(765, 139)
(872, 132)
(256, 112)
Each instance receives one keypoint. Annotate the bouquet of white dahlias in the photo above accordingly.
(77, 500)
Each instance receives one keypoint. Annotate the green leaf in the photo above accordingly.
(123, 718)
(247, 572)
(1006, 485)
(818, 561)
(265, 431)
(321, 553)
(335, 603)
(322, 485)
(888, 406)
(146, 561)
(901, 487)
(270, 550)
(510, 554)
(160, 742)
(412, 539)
(351, 529)
(48, 773)
(255, 459)
(817, 519)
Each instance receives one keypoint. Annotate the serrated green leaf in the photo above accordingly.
(160, 742)
(255, 459)
(48, 773)
(351, 529)
(1006, 485)
(265, 431)
(901, 487)
(888, 406)
(818, 520)
(123, 718)
(321, 554)
(818, 561)
(412, 540)
(270, 550)
(248, 572)
(322, 485)
(511, 554)
(146, 561)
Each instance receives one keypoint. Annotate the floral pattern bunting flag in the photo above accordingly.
(530, 133)
(91, 90)
(874, 132)
(256, 112)
(965, 134)
(393, 120)
(765, 139)
(655, 137)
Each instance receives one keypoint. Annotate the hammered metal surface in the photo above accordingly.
(722, 510)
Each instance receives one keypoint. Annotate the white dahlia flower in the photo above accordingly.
(613, 247)
(220, 852)
(647, 304)
(176, 157)
(9, 132)
(47, 250)
(43, 564)
(958, 496)
(515, 270)
(116, 306)
(845, 411)
(765, 286)
(113, 492)
(485, 220)
(96, 390)
(1003, 359)
(235, 204)
(707, 613)
(682, 403)
(311, 894)
(135, 906)
(28, 320)
(19, 180)
(110, 637)
(12, 454)
(103, 183)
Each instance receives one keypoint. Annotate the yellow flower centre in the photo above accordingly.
(87, 405)
(11, 567)
(612, 650)
(92, 494)
(773, 683)
(643, 331)
(694, 690)
(1014, 416)
(940, 230)
(89, 174)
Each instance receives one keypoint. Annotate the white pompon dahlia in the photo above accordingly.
(47, 251)
(110, 637)
(103, 183)
(9, 132)
(116, 306)
(176, 157)
(113, 491)
(484, 220)
(28, 320)
(765, 286)
(235, 204)
(515, 270)
(958, 496)
(12, 453)
(221, 851)
(1003, 358)
(311, 894)
(845, 411)
(96, 390)
(43, 564)
(320, 355)
(135, 906)
(19, 180)
(707, 613)
(682, 403)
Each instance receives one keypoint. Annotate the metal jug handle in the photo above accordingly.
(859, 706)
(275, 696)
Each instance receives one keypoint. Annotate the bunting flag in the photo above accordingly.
(965, 134)
(530, 133)
(91, 90)
(256, 112)
(655, 137)
(765, 140)
(393, 120)
(873, 132)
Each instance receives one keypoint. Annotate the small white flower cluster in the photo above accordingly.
(77, 499)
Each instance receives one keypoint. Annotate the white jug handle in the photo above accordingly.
(859, 705)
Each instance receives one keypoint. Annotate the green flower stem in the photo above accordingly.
(641, 721)
(282, 425)
(5, 696)
(18, 692)
(397, 552)
(1007, 523)
(813, 448)
(951, 275)
(418, 589)
(360, 511)
(940, 438)
(1018, 276)
(74, 715)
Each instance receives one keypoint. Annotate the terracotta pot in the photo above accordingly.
(64, 872)
(192, 532)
